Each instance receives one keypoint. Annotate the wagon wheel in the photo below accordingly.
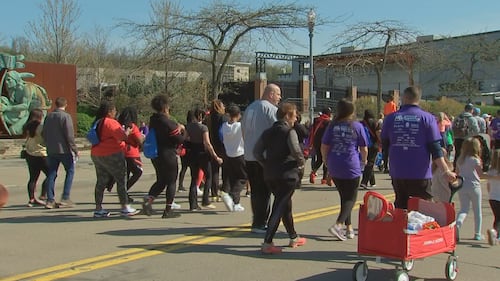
(408, 265)
(402, 275)
(360, 271)
(451, 269)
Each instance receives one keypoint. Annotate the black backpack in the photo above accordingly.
(460, 127)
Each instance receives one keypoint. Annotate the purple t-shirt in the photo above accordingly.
(495, 128)
(410, 131)
(344, 139)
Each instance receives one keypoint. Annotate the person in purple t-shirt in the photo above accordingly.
(412, 137)
(144, 129)
(495, 130)
(344, 146)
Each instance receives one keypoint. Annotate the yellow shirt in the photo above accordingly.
(35, 146)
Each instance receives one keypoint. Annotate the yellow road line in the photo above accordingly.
(120, 257)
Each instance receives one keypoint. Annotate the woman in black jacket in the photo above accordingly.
(281, 165)
(302, 134)
(169, 135)
(214, 122)
(373, 130)
(199, 156)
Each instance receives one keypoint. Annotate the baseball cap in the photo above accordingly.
(326, 110)
(468, 107)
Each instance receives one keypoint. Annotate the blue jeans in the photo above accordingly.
(53, 161)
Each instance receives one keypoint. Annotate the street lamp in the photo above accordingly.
(311, 19)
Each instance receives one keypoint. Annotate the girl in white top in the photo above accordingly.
(36, 157)
(494, 197)
(469, 166)
(234, 165)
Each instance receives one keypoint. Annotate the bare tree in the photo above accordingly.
(94, 67)
(214, 32)
(380, 43)
(54, 33)
(160, 45)
(460, 61)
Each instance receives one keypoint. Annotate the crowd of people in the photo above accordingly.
(266, 148)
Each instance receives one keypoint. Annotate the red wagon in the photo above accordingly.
(386, 235)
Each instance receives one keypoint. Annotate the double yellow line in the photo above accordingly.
(124, 256)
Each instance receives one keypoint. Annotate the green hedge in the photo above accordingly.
(84, 123)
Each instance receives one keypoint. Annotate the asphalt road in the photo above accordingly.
(68, 244)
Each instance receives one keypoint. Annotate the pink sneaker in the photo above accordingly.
(298, 241)
(270, 249)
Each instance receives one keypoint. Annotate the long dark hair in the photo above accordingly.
(128, 116)
(345, 110)
(104, 109)
(199, 115)
(34, 120)
(368, 115)
(190, 116)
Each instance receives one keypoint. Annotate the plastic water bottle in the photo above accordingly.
(414, 226)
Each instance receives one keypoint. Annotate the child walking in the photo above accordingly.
(439, 184)
(494, 197)
(469, 166)
(235, 162)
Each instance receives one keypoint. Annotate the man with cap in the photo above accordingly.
(476, 112)
(464, 126)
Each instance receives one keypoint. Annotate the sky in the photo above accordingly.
(436, 17)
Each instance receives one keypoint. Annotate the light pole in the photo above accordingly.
(311, 19)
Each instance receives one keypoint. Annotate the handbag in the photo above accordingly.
(23, 150)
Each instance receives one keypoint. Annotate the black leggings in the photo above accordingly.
(166, 176)
(36, 164)
(182, 173)
(317, 161)
(495, 207)
(385, 157)
(215, 168)
(282, 190)
(134, 167)
(368, 175)
(234, 168)
(348, 191)
(199, 161)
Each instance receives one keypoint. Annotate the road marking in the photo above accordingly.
(124, 256)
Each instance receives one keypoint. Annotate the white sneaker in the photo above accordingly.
(238, 208)
(129, 211)
(199, 191)
(492, 237)
(175, 206)
(228, 201)
(338, 232)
